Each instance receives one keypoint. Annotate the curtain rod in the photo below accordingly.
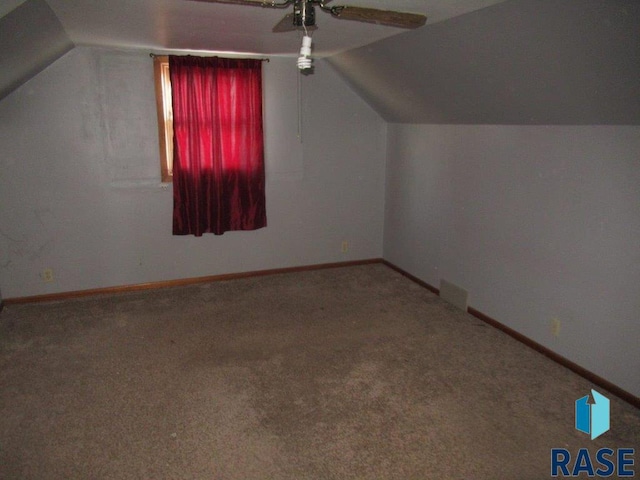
(154, 55)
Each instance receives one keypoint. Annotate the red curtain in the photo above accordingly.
(218, 159)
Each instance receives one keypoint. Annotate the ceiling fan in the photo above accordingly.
(304, 13)
(304, 18)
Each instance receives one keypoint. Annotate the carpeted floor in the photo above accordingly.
(349, 373)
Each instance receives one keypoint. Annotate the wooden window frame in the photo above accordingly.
(165, 116)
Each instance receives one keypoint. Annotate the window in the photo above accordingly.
(165, 116)
(211, 142)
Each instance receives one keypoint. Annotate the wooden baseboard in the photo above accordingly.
(413, 278)
(574, 367)
(52, 297)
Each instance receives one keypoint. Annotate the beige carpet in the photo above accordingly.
(332, 374)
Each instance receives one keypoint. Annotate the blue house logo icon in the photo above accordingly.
(592, 418)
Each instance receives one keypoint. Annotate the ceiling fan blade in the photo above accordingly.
(287, 25)
(380, 17)
(252, 3)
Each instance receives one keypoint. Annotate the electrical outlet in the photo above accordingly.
(47, 275)
(555, 327)
(345, 246)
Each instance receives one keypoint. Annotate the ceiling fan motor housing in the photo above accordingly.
(304, 14)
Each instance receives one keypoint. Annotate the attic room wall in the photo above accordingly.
(536, 222)
(80, 192)
(513, 167)
(514, 171)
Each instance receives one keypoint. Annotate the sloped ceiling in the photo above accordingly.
(203, 26)
(34, 33)
(506, 62)
(571, 62)
(31, 38)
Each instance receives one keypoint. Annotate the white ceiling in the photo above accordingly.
(162, 25)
